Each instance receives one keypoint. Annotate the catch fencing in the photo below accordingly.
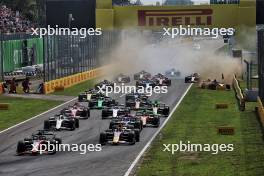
(68, 55)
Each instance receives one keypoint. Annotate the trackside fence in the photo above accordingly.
(239, 95)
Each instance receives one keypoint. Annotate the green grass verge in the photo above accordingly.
(22, 109)
(76, 89)
(196, 120)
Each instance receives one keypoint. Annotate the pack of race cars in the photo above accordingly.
(126, 120)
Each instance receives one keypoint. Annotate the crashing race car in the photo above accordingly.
(193, 78)
(172, 73)
(161, 80)
(118, 135)
(127, 119)
(142, 75)
(214, 85)
(102, 103)
(103, 85)
(148, 118)
(89, 95)
(114, 111)
(38, 139)
(61, 122)
(76, 111)
(121, 78)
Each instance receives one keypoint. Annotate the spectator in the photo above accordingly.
(13, 22)
(13, 86)
(25, 85)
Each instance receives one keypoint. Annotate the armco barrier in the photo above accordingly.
(260, 111)
(239, 94)
(72, 80)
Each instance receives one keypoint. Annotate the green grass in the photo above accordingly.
(196, 120)
(76, 89)
(22, 109)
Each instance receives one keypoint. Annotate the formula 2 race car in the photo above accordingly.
(146, 83)
(89, 95)
(102, 103)
(38, 140)
(76, 111)
(121, 78)
(59, 122)
(119, 135)
(172, 73)
(142, 75)
(156, 107)
(193, 78)
(148, 118)
(127, 120)
(114, 111)
(161, 80)
(103, 85)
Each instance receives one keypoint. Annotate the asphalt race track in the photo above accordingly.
(112, 160)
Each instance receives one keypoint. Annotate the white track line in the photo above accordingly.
(128, 172)
(37, 115)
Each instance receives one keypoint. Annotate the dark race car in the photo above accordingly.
(145, 83)
(38, 140)
(137, 104)
(89, 95)
(121, 78)
(148, 118)
(142, 75)
(61, 122)
(135, 95)
(156, 107)
(115, 111)
(172, 73)
(161, 80)
(127, 119)
(76, 111)
(102, 103)
(103, 85)
(193, 78)
(118, 135)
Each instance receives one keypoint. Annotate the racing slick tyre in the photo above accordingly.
(53, 151)
(131, 138)
(137, 135)
(46, 125)
(156, 122)
(138, 125)
(77, 123)
(102, 139)
(166, 112)
(72, 125)
(104, 114)
(21, 148)
(58, 141)
(111, 125)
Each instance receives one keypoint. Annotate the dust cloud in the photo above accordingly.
(138, 51)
